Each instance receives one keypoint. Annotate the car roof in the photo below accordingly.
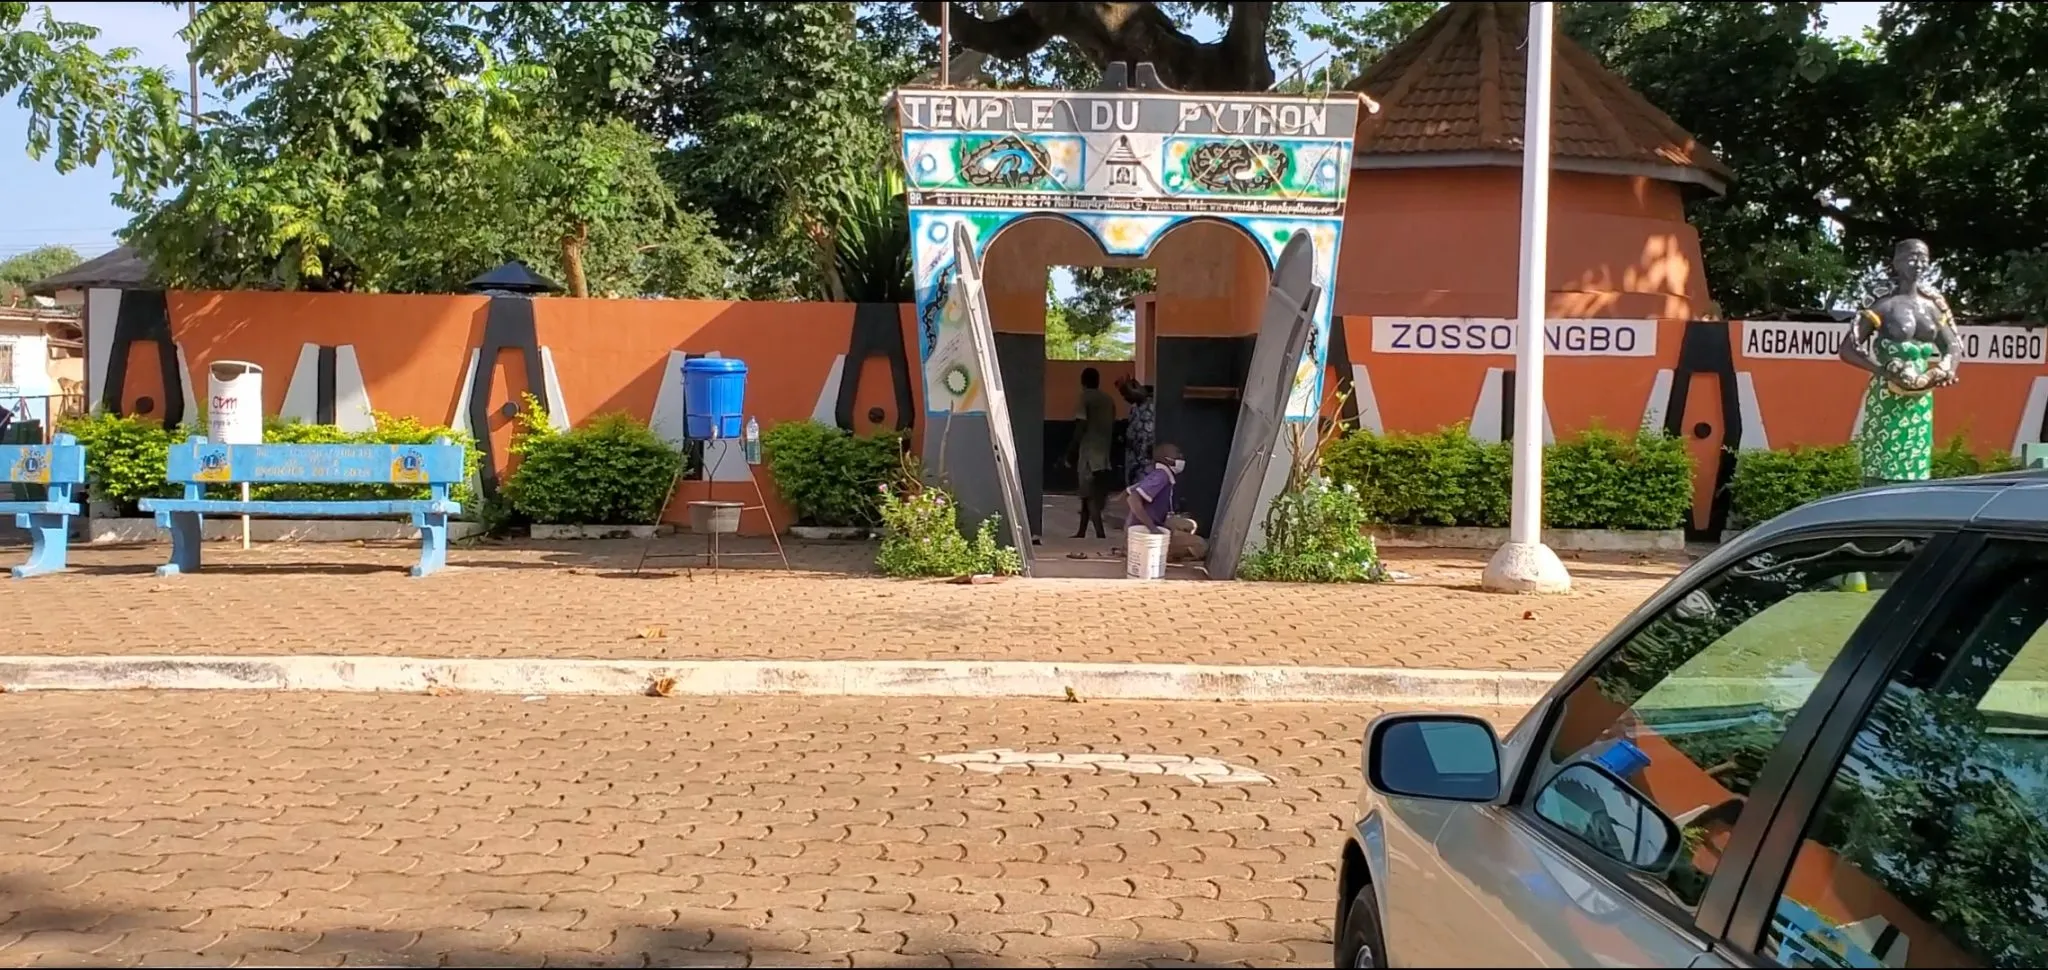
(2016, 500)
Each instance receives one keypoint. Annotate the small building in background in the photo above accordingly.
(42, 368)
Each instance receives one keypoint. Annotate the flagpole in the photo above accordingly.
(1525, 564)
(192, 56)
(946, 44)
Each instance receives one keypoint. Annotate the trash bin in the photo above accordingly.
(234, 403)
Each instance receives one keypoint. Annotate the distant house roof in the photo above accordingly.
(119, 268)
(1451, 94)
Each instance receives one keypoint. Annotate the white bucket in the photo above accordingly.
(1145, 552)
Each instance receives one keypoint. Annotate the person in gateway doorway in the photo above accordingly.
(1151, 501)
(1138, 430)
(1094, 431)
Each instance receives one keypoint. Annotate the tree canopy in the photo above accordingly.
(17, 273)
(699, 148)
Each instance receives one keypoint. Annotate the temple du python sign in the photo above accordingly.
(1127, 165)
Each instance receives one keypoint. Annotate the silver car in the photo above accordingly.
(1823, 745)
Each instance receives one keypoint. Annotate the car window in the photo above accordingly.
(1688, 708)
(1930, 847)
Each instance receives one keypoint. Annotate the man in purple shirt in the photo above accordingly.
(1151, 500)
(1151, 496)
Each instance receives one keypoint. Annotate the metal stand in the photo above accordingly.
(712, 553)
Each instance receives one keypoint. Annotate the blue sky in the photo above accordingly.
(76, 210)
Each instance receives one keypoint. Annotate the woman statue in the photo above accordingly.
(1907, 341)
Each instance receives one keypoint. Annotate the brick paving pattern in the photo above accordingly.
(582, 600)
(318, 830)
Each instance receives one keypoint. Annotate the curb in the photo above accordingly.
(821, 678)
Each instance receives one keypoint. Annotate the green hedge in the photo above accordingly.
(125, 457)
(610, 470)
(1594, 480)
(829, 477)
(1767, 484)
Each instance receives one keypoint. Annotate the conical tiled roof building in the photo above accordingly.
(1456, 88)
(1433, 221)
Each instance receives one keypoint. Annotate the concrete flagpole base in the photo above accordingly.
(1526, 567)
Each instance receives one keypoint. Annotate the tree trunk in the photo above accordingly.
(1133, 33)
(572, 261)
(825, 246)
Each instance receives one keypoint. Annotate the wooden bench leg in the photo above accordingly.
(50, 538)
(433, 528)
(186, 533)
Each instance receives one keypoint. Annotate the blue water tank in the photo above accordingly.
(714, 397)
(1623, 758)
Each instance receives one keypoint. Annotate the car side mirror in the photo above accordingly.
(1448, 757)
(1599, 809)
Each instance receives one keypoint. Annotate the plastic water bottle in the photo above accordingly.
(751, 445)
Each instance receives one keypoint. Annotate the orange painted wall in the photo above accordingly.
(1801, 402)
(1063, 385)
(609, 355)
(1446, 243)
(413, 349)
(1808, 402)
(1424, 392)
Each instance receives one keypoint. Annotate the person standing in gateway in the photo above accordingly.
(1094, 434)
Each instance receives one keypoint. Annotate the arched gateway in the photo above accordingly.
(1128, 164)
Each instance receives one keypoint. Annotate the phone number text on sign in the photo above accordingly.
(1468, 335)
(1767, 339)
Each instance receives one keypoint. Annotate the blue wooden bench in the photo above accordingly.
(198, 464)
(61, 468)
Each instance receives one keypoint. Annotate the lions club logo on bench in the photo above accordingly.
(409, 466)
(32, 467)
(214, 467)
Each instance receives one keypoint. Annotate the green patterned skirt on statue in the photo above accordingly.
(1897, 443)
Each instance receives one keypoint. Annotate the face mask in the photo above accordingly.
(1179, 464)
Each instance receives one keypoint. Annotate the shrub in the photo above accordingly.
(1441, 478)
(924, 540)
(1315, 534)
(388, 429)
(1602, 480)
(124, 456)
(611, 470)
(1767, 484)
(1595, 480)
(830, 477)
(1956, 460)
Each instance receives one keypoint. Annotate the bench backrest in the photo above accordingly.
(201, 462)
(60, 463)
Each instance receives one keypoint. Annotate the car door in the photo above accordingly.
(1702, 707)
(1916, 832)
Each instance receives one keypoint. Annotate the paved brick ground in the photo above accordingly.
(311, 829)
(584, 600)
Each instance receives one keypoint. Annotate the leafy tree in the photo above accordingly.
(393, 147)
(1065, 342)
(83, 105)
(17, 273)
(1104, 33)
(778, 109)
(1102, 296)
(1357, 34)
(1066, 44)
